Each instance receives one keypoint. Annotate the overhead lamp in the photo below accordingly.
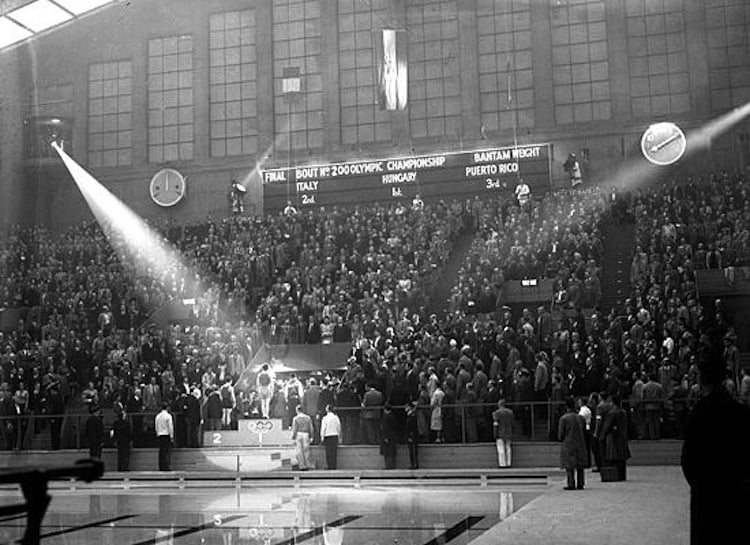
(40, 15)
(11, 32)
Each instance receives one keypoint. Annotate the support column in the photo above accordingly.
(619, 69)
(541, 52)
(329, 29)
(12, 110)
(471, 117)
(697, 58)
(265, 82)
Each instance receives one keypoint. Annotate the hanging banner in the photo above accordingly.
(391, 67)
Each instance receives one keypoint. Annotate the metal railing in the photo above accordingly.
(459, 423)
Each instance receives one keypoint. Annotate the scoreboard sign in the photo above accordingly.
(443, 176)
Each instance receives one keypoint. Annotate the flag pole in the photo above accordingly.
(513, 112)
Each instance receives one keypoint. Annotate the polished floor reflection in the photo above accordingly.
(324, 515)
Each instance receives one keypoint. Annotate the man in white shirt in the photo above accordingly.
(330, 431)
(164, 436)
(585, 411)
(523, 194)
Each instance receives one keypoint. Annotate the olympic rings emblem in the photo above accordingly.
(260, 426)
(262, 532)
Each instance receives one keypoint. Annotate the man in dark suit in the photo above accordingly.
(389, 437)
(348, 404)
(412, 434)
(602, 409)
(714, 461)
(311, 407)
(573, 455)
(54, 407)
(122, 433)
(191, 409)
(95, 432)
(615, 434)
(371, 403)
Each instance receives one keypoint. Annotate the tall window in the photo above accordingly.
(233, 83)
(659, 79)
(362, 120)
(170, 99)
(580, 69)
(110, 102)
(434, 69)
(728, 26)
(297, 43)
(505, 64)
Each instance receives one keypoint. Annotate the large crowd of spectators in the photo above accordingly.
(364, 277)
(557, 237)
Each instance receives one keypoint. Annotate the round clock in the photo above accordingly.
(167, 187)
(663, 143)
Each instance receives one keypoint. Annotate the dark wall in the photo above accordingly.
(582, 74)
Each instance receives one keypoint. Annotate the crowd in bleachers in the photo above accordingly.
(364, 276)
(557, 237)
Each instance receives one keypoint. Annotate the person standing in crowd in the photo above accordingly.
(389, 437)
(604, 406)
(122, 433)
(311, 405)
(54, 407)
(164, 425)
(573, 450)
(371, 403)
(330, 433)
(714, 461)
(615, 433)
(212, 409)
(264, 384)
(95, 432)
(7, 417)
(584, 409)
(134, 407)
(653, 399)
(412, 433)
(191, 408)
(228, 403)
(523, 194)
(436, 416)
(502, 424)
(302, 430)
(348, 403)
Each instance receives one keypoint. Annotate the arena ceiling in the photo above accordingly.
(23, 20)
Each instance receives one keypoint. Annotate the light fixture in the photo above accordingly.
(40, 15)
(81, 6)
(11, 32)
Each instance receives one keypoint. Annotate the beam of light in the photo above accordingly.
(285, 133)
(258, 165)
(134, 241)
(701, 138)
(638, 172)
